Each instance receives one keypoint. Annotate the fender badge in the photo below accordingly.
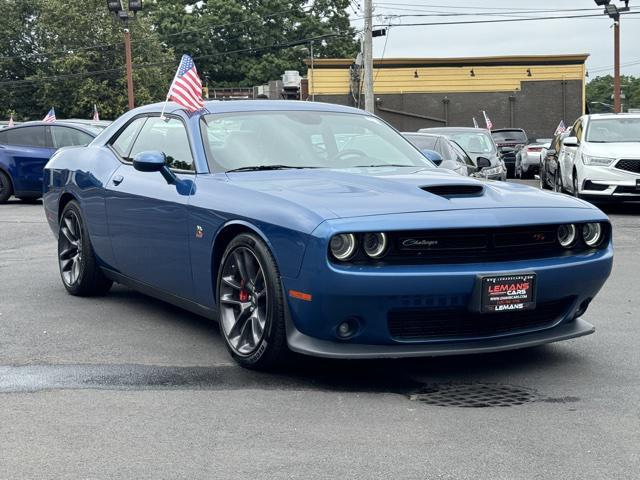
(199, 232)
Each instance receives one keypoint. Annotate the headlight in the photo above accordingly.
(567, 235)
(592, 234)
(343, 246)
(597, 161)
(375, 244)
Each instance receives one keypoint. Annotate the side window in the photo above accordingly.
(122, 143)
(27, 137)
(67, 137)
(168, 136)
(577, 129)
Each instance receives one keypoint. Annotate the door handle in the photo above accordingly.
(117, 180)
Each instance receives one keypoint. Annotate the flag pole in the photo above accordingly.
(162, 117)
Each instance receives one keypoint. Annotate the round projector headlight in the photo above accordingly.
(375, 244)
(343, 246)
(567, 235)
(592, 234)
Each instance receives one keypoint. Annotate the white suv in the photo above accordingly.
(601, 160)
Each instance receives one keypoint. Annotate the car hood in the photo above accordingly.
(613, 150)
(381, 191)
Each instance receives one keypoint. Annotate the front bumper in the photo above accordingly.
(369, 293)
(609, 182)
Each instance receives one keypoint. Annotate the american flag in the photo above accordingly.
(487, 120)
(186, 88)
(475, 123)
(561, 128)
(96, 115)
(50, 117)
(10, 124)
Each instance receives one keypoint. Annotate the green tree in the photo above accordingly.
(600, 89)
(249, 42)
(70, 55)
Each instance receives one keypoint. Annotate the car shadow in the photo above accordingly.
(626, 208)
(398, 376)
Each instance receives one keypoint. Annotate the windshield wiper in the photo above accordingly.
(386, 165)
(255, 168)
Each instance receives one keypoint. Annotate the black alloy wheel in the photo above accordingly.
(6, 189)
(79, 270)
(557, 182)
(251, 304)
(574, 181)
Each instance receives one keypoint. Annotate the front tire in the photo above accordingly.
(6, 187)
(79, 270)
(251, 304)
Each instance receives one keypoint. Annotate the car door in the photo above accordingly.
(28, 150)
(147, 216)
(570, 154)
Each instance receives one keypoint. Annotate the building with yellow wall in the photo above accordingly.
(530, 92)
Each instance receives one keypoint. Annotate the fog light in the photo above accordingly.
(592, 234)
(348, 328)
(567, 235)
(375, 244)
(343, 246)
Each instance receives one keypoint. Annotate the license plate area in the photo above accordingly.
(507, 293)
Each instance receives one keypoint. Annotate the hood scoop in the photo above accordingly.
(455, 191)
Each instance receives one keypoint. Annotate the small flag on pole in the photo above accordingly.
(475, 123)
(10, 124)
(186, 88)
(96, 115)
(50, 117)
(487, 120)
(561, 128)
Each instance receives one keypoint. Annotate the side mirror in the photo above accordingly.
(483, 162)
(432, 155)
(551, 152)
(149, 161)
(154, 161)
(570, 142)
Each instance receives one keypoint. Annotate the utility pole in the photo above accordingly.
(367, 44)
(614, 13)
(115, 7)
(617, 104)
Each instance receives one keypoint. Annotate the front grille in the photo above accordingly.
(457, 324)
(629, 165)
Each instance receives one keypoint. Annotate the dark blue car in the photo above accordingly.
(319, 229)
(25, 149)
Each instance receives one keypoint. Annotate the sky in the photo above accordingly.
(542, 37)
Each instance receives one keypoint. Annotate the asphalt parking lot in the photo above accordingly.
(129, 387)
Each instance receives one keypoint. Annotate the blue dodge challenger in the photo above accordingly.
(319, 229)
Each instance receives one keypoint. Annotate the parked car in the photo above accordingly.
(601, 159)
(318, 228)
(451, 155)
(528, 158)
(549, 178)
(477, 143)
(509, 141)
(25, 149)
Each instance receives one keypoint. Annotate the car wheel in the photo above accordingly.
(574, 185)
(542, 180)
(557, 182)
(251, 304)
(79, 269)
(6, 188)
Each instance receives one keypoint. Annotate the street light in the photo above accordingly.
(115, 7)
(614, 13)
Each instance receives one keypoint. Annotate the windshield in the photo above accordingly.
(305, 139)
(613, 130)
(423, 142)
(510, 136)
(474, 142)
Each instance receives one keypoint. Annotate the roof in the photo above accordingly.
(453, 129)
(570, 59)
(78, 126)
(229, 106)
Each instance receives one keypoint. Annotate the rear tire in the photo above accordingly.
(251, 304)
(79, 270)
(6, 187)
